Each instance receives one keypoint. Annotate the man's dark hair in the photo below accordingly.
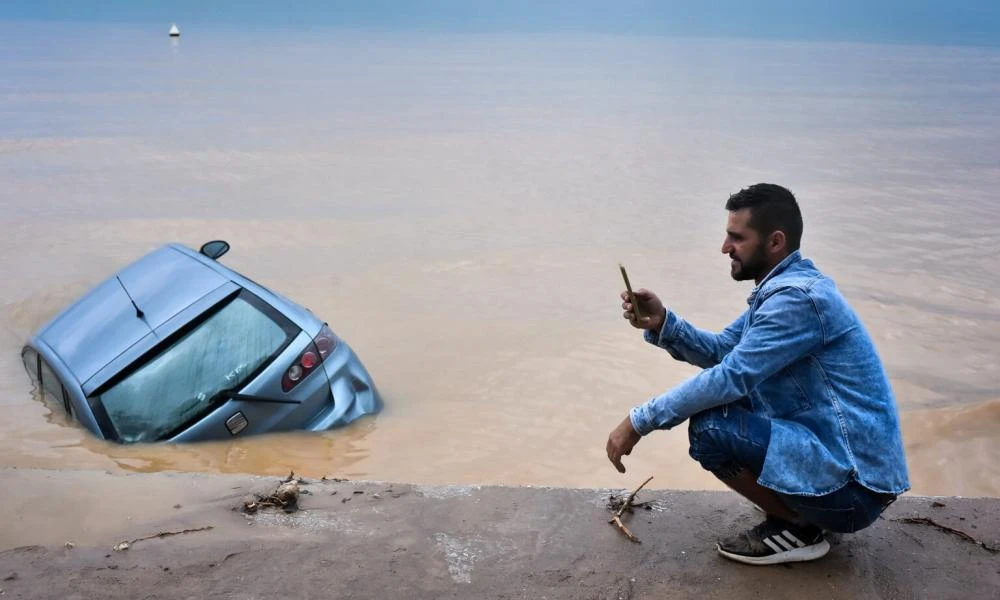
(772, 207)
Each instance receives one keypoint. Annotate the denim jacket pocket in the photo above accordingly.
(784, 393)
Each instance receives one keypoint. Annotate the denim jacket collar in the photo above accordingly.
(789, 260)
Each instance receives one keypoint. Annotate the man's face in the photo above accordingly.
(745, 247)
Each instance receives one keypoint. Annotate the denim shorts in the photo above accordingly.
(728, 439)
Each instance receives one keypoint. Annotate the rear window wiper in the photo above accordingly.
(231, 394)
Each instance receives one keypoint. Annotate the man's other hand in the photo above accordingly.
(620, 443)
(650, 306)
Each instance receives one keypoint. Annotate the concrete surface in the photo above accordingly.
(382, 540)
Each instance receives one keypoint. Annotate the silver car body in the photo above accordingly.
(101, 338)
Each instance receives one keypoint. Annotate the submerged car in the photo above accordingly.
(176, 347)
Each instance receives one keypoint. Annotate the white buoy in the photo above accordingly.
(174, 32)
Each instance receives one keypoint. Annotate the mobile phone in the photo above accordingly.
(631, 296)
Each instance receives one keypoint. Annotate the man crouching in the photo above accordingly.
(793, 409)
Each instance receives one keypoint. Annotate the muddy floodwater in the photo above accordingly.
(456, 206)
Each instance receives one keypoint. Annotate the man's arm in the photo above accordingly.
(696, 346)
(785, 328)
(682, 340)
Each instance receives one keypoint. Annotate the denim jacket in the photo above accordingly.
(804, 359)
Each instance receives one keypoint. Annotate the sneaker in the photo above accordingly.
(775, 541)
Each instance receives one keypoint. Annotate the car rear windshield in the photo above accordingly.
(181, 383)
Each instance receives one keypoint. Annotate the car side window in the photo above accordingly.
(53, 388)
(30, 358)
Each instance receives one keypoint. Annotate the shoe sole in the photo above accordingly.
(803, 554)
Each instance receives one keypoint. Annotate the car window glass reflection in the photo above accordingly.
(180, 383)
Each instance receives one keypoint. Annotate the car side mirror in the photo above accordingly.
(214, 249)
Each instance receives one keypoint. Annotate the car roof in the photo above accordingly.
(98, 327)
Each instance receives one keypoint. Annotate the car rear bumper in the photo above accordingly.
(353, 392)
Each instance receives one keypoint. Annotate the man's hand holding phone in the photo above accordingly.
(643, 309)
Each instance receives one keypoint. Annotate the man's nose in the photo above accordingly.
(726, 247)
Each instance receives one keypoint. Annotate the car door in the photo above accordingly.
(53, 388)
(30, 358)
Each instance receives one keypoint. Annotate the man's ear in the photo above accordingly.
(777, 242)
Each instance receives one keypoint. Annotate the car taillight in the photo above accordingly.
(311, 358)
(325, 342)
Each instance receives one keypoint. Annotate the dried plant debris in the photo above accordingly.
(293, 477)
(616, 501)
(125, 545)
(620, 506)
(285, 496)
(946, 529)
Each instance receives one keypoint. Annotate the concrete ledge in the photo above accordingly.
(381, 540)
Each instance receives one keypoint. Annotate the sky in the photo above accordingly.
(958, 22)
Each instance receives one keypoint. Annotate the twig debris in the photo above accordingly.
(125, 545)
(946, 529)
(626, 505)
(285, 496)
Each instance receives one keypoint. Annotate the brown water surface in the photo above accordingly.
(456, 206)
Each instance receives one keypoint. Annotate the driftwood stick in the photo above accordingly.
(617, 517)
(618, 521)
(946, 529)
(164, 534)
(628, 501)
(125, 545)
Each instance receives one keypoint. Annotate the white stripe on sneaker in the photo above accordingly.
(773, 545)
(784, 543)
(791, 538)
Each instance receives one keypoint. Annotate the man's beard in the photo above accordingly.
(753, 268)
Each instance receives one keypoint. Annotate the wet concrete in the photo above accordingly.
(384, 540)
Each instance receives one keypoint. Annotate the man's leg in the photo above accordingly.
(745, 484)
(731, 442)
